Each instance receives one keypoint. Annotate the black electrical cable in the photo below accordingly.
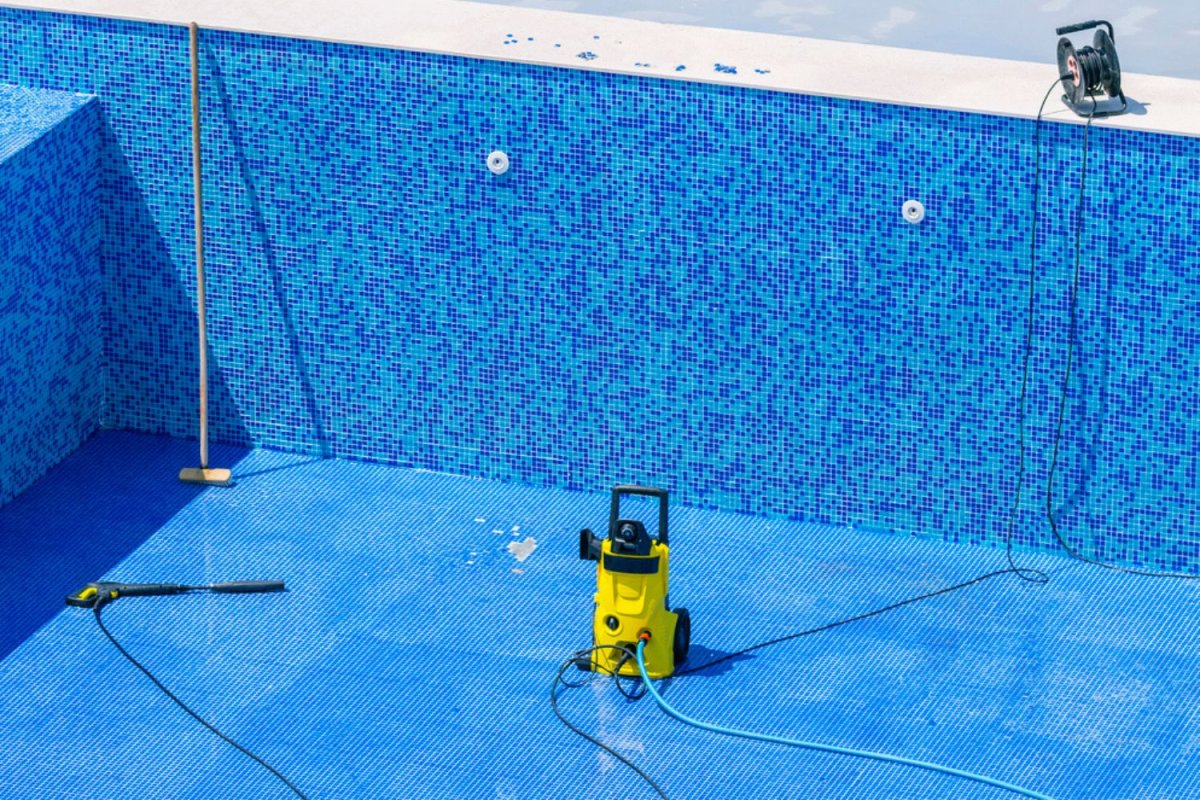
(1026, 574)
(575, 658)
(572, 661)
(96, 609)
(1062, 402)
(1091, 72)
(1031, 575)
(858, 617)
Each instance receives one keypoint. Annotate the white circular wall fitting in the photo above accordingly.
(497, 162)
(913, 211)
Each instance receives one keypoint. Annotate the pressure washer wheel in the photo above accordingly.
(683, 635)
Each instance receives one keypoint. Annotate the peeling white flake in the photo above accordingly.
(523, 549)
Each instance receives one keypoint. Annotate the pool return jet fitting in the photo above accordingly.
(204, 474)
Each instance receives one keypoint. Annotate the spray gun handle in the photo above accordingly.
(614, 511)
(102, 592)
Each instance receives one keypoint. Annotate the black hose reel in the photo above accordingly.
(1091, 73)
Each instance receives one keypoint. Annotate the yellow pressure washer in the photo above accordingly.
(632, 593)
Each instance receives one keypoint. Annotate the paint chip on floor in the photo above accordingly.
(523, 549)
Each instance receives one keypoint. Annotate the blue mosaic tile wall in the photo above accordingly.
(708, 287)
(50, 334)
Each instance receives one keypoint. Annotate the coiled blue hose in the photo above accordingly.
(828, 748)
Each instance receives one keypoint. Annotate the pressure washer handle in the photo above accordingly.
(621, 490)
(246, 587)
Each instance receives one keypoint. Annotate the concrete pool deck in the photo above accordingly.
(412, 655)
(676, 52)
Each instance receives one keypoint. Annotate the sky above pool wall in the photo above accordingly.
(1156, 37)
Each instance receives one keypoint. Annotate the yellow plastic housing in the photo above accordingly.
(637, 602)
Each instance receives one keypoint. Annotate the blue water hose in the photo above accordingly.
(828, 748)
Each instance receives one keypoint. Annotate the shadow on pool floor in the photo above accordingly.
(93, 509)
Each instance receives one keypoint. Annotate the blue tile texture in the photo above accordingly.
(701, 286)
(27, 114)
(412, 655)
(50, 302)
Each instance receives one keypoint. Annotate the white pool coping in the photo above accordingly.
(637, 47)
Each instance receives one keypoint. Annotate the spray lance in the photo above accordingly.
(99, 594)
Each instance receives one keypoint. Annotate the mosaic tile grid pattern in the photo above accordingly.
(1142, 489)
(412, 655)
(27, 114)
(50, 334)
(147, 247)
(701, 286)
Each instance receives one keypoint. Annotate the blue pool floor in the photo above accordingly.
(412, 654)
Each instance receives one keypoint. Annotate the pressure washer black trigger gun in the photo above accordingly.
(100, 593)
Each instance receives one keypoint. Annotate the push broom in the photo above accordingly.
(204, 474)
